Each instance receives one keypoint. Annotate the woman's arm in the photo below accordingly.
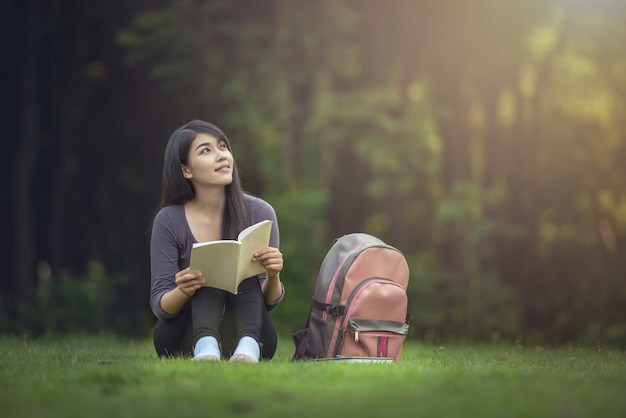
(186, 285)
(272, 260)
(170, 286)
(272, 289)
(173, 301)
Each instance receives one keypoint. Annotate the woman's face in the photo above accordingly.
(210, 163)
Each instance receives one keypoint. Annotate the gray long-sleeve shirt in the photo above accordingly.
(172, 240)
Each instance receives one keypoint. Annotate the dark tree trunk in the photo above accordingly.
(25, 162)
(67, 91)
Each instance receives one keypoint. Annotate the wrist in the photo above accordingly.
(183, 292)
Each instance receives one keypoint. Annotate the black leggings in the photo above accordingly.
(220, 314)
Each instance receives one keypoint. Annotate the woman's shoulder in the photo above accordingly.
(173, 214)
(259, 208)
(254, 201)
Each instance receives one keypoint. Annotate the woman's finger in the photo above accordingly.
(266, 252)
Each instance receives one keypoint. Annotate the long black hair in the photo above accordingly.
(176, 189)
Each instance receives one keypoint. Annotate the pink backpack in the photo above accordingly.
(359, 307)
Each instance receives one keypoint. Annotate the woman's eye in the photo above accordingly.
(223, 146)
(205, 150)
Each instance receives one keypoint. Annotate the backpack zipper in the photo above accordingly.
(349, 306)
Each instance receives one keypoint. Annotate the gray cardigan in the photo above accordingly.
(172, 240)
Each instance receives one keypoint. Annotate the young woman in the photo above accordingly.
(202, 200)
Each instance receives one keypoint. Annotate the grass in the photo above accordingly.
(111, 377)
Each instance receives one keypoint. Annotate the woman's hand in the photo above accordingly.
(271, 259)
(189, 281)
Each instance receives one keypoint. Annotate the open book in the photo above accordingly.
(224, 264)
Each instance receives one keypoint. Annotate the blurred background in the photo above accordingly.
(485, 139)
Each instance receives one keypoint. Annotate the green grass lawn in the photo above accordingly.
(111, 377)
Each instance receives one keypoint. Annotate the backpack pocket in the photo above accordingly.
(322, 324)
(375, 323)
(374, 338)
(319, 334)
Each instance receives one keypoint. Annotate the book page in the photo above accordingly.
(225, 263)
(217, 260)
(253, 239)
(253, 229)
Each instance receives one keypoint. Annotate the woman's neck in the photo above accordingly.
(204, 215)
(209, 201)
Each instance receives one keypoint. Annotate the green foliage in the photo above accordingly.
(92, 304)
(449, 154)
(391, 138)
(209, 57)
(445, 308)
(303, 244)
(562, 315)
(465, 212)
(428, 308)
(471, 292)
(485, 141)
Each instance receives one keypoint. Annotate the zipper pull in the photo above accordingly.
(356, 336)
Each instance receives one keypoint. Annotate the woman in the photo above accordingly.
(202, 200)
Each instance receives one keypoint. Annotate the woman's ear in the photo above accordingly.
(186, 171)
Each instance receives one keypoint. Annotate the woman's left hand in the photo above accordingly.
(271, 259)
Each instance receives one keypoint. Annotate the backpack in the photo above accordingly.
(359, 308)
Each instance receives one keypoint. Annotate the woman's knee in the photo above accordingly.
(172, 337)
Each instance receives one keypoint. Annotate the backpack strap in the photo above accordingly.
(328, 308)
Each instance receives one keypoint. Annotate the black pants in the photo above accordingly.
(221, 314)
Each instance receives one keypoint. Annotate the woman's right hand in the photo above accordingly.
(189, 281)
